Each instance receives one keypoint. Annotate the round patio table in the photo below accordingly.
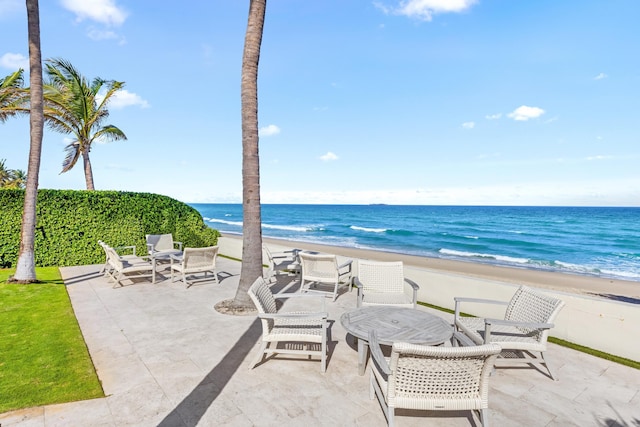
(394, 324)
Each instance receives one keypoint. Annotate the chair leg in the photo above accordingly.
(484, 417)
(263, 347)
(546, 365)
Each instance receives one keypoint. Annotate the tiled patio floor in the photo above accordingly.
(167, 358)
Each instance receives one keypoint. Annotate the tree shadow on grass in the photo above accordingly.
(192, 408)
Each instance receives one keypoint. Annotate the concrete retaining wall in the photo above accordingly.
(609, 326)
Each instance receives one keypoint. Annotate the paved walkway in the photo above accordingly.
(167, 358)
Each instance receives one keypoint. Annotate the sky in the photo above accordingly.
(422, 102)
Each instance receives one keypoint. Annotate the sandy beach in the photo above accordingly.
(619, 290)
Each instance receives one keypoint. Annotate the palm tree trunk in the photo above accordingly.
(26, 267)
(252, 220)
(88, 172)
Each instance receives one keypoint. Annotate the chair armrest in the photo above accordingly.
(175, 257)
(358, 284)
(411, 283)
(532, 325)
(345, 265)
(376, 353)
(488, 323)
(179, 245)
(310, 316)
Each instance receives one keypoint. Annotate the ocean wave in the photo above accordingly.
(501, 258)
(471, 237)
(368, 230)
(286, 227)
(224, 221)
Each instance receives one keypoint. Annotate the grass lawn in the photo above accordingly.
(43, 356)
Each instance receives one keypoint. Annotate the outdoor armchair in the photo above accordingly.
(383, 283)
(162, 244)
(120, 268)
(322, 270)
(422, 377)
(297, 332)
(119, 251)
(285, 262)
(524, 329)
(195, 260)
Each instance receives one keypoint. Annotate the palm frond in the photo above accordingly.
(72, 156)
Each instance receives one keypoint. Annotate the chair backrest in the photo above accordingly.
(262, 297)
(160, 242)
(377, 276)
(113, 258)
(427, 377)
(319, 267)
(527, 305)
(199, 257)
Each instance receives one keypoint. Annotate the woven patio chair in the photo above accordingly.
(421, 377)
(119, 251)
(163, 244)
(121, 268)
(285, 262)
(524, 329)
(298, 333)
(322, 271)
(383, 283)
(195, 260)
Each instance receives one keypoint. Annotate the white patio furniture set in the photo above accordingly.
(161, 248)
(432, 365)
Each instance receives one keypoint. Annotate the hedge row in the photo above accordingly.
(70, 223)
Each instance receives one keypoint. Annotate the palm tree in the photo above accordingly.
(26, 267)
(5, 174)
(77, 107)
(252, 222)
(10, 178)
(12, 94)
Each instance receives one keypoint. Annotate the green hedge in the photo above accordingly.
(70, 223)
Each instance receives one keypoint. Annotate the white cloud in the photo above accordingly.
(97, 34)
(14, 61)
(329, 157)
(599, 157)
(469, 125)
(524, 113)
(269, 130)
(103, 11)
(493, 116)
(600, 76)
(123, 98)
(425, 9)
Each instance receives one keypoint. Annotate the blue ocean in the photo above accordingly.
(595, 241)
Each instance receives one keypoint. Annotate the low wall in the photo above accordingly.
(601, 324)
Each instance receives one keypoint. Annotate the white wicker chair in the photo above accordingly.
(163, 244)
(525, 328)
(421, 377)
(322, 270)
(195, 260)
(383, 283)
(281, 263)
(118, 250)
(120, 268)
(288, 333)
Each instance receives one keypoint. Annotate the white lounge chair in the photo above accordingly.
(524, 329)
(119, 251)
(430, 378)
(320, 270)
(163, 244)
(301, 333)
(285, 262)
(121, 268)
(195, 260)
(383, 283)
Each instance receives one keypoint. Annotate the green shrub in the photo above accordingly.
(69, 224)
